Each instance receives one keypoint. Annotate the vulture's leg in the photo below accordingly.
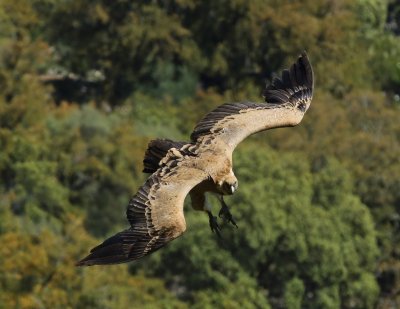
(224, 212)
(212, 219)
(214, 223)
(200, 202)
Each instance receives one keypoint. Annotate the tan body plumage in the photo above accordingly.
(204, 165)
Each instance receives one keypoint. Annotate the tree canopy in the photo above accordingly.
(84, 85)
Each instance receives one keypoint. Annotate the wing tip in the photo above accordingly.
(305, 60)
(298, 78)
(89, 260)
(82, 263)
(109, 251)
(294, 83)
(304, 54)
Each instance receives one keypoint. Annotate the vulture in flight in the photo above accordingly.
(202, 165)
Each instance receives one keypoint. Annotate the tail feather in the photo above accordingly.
(156, 150)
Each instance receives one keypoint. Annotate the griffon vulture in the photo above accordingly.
(203, 165)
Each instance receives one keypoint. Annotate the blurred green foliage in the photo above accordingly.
(84, 85)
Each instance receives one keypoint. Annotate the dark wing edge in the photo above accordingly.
(295, 83)
(144, 237)
(205, 126)
(116, 249)
(137, 241)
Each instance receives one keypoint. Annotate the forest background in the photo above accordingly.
(84, 85)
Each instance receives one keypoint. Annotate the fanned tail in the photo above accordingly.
(156, 150)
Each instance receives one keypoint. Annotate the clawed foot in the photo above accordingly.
(225, 213)
(214, 224)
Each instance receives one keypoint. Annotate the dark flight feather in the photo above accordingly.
(156, 150)
(294, 85)
(139, 240)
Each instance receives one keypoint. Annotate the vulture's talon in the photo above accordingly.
(215, 228)
(225, 213)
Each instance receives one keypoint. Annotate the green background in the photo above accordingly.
(84, 85)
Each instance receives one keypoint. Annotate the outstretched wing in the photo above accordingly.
(155, 214)
(156, 211)
(287, 99)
